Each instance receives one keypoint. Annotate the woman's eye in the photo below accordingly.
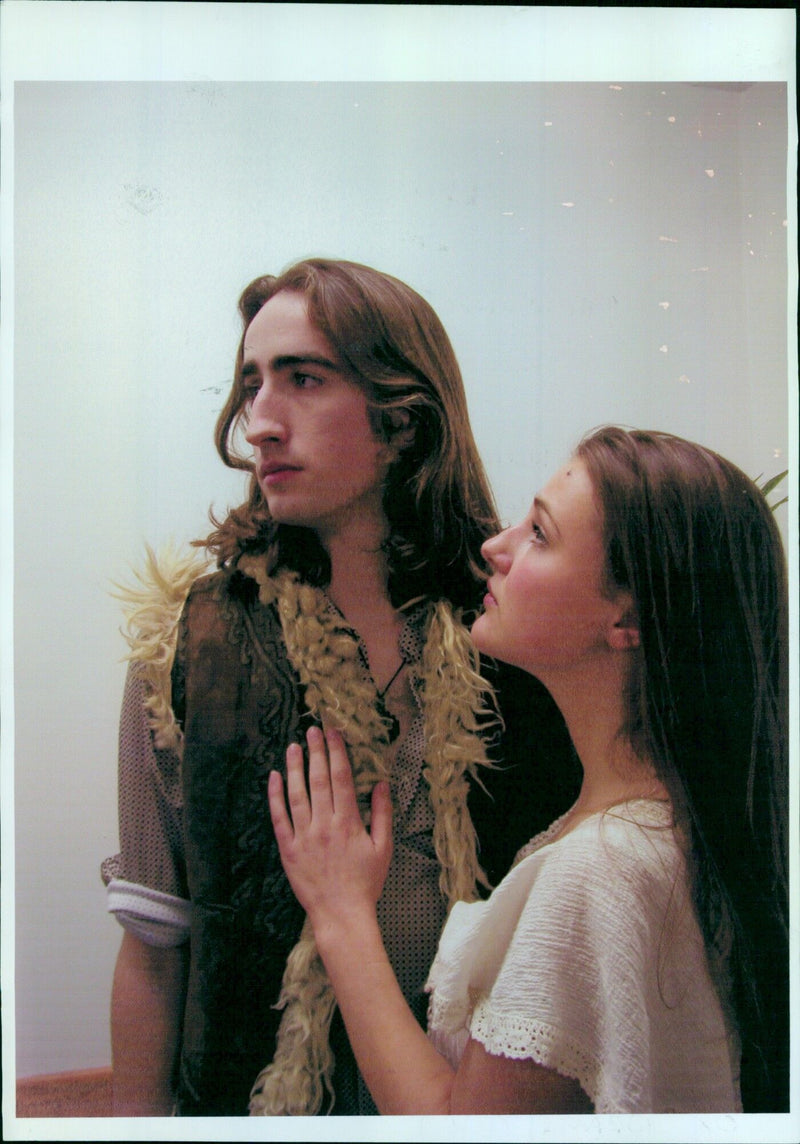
(538, 534)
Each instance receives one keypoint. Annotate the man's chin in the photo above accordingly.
(291, 520)
(283, 512)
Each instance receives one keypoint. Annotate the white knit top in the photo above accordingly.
(588, 959)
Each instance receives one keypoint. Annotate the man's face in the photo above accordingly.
(318, 461)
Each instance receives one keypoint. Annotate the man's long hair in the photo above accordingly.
(436, 498)
(695, 543)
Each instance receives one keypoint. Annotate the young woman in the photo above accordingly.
(635, 958)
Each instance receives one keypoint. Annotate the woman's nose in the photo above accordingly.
(495, 551)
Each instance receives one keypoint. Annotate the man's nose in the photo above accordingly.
(267, 420)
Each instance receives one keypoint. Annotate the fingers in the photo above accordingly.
(330, 792)
(342, 787)
(381, 824)
(319, 779)
(296, 794)
(278, 813)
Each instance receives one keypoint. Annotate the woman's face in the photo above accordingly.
(546, 610)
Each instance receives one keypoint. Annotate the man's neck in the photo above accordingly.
(359, 589)
(358, 585)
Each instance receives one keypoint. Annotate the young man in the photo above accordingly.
(342, 588)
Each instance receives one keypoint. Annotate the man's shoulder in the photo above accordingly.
(224, 606)
(214, 585)
(209, 584)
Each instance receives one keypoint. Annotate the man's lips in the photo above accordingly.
(273, 471)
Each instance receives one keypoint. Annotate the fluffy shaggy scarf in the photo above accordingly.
(152, 609)
(324, 652)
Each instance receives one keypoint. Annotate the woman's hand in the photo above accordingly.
(335, 866)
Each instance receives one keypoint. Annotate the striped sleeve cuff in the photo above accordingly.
(156, 918)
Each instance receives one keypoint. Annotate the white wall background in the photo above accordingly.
(598, 251)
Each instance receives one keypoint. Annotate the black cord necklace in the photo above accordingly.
(383, 711)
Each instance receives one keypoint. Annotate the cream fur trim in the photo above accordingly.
(325, 654)
(454, 695)
(152, 610)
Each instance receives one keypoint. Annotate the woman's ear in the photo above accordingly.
(624, 633)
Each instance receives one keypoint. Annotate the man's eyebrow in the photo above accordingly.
(288, 361)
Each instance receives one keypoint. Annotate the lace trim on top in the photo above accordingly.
(521, 1039)
(453, 1020)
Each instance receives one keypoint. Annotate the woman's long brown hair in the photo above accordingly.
(694, 541)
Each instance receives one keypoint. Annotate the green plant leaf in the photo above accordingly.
(770, 485)
(773, 483)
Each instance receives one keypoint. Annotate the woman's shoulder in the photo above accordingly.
(640, 832)
(624, 854)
